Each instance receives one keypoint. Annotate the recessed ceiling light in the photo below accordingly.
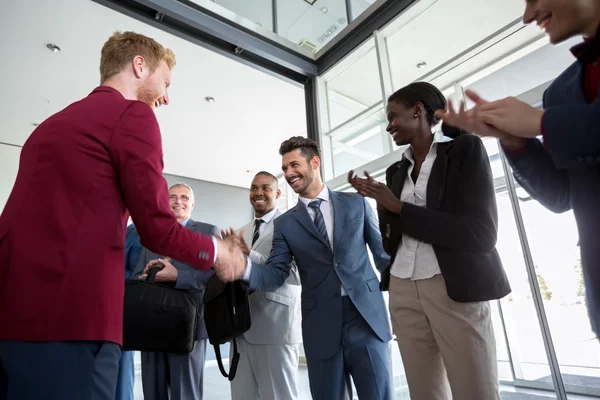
(53, 48)
(342, 21)
(324, 10)
(209, 99)
(422, 64)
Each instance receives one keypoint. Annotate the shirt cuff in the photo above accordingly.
(254, 256)
(216, 245)
(248, 271)
(543, 135)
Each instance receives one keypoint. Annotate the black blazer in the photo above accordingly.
(460, 221)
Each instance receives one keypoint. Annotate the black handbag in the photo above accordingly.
(158, 317)
(227, 316)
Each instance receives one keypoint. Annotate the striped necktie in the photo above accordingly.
(257, 224)
(319, 220)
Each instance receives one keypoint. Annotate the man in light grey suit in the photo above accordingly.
(345, 323)
(174, 376)
(269, 351)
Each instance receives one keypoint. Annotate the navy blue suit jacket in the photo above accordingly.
(567, 176)
(323, 272)
(133, 248)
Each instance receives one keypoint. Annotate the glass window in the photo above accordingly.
(553, 239)
(354, 85)
(359, 143)
(519, 323)
(312, 26)
(412, 58)
(258, 11)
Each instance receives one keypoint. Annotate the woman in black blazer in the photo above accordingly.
(439, 223)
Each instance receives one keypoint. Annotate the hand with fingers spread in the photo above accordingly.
(369, 187)
(477, 120)
(168, 273)
(231, 260)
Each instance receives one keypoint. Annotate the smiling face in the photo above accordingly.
(263, 195)
(300, 173)
(563, 19)
(402, 123)
(153, 88)
(182, 202)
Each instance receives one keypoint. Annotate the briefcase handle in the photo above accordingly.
(153, 271)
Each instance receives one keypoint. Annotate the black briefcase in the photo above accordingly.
(227, 316)
(158, 317)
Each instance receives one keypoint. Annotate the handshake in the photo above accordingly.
(232, 255)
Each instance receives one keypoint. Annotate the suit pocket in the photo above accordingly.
(278, 298)
(373, 285)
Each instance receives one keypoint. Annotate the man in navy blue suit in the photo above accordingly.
(345, 324)
(563, 172)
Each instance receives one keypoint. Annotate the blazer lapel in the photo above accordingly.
(399, 177)
(190, 224)
(437, 179)
(248, 233)
(301, 214)
(574, 86)
(339, 215)
(266, 232)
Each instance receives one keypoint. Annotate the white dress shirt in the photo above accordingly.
(254, 256)
(327, 211)
(416, 260)
(326, 208)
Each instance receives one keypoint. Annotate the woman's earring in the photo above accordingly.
(416, 115)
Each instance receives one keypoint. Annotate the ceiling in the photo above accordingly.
(297, 20)
(219, 142)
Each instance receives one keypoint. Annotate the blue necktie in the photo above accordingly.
(319, 220)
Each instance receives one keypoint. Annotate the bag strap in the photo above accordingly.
(153, 271)
(234, 361)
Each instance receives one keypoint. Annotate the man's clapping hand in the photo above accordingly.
(231, 260)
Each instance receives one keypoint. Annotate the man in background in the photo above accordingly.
(345, 325)
(269, 351)
(167, 376)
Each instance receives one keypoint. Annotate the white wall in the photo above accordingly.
(217, 204)
(9, 165)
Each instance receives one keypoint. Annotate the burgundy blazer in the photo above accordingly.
(62, 231)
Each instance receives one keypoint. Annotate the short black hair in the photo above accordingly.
(308, 147)
(424, 93)
(269, 175)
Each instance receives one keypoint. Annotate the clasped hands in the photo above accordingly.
(232, 255)
(510, 120)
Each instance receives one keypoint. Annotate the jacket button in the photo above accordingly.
(579, 159)
(589, 159)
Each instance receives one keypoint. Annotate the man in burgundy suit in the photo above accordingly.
(63, 228)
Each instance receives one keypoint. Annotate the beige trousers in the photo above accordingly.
(448, 348)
